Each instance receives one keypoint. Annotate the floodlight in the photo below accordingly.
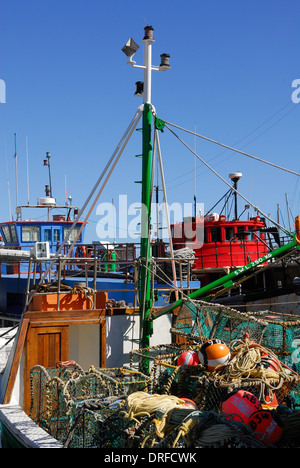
(130, 48)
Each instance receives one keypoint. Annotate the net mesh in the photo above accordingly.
(129, 407)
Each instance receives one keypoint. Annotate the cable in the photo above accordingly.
(220, 177)
(231, 148)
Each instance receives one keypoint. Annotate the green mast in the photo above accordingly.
(146, 327)
(145, 288)
(144, 90)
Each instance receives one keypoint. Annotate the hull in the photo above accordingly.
(19, 431)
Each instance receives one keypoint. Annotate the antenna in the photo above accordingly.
(8, 183)
(16, 158)
(47, 163)
(235, 177)
(195, 196)
(66, 191)
(27, 170)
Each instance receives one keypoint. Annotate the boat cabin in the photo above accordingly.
(220, 243)
(23, 234)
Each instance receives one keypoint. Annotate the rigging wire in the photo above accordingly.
(249, 134)
(256, 208)
(112, 162)
(230, 148)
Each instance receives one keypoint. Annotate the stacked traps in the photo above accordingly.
(199, 321)
(103, 408)
(71, 404)
(263, 358)
(282, 336)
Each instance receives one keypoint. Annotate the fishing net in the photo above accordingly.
(201, 321)
(282, 336)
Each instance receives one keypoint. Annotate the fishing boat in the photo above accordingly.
(68, 380)
(229, 242)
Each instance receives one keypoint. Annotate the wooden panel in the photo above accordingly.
(45, 346)
(13, 366)
(67, 301)
(102, 333)
(67, 317)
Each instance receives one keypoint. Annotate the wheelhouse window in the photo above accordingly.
(9, 234)
(216, 234)
(56, 235)
(31, 234)
(228, 233)
(74, 233)
(48, 235)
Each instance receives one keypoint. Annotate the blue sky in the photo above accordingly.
(70, 92)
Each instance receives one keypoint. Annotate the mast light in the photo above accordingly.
(130, 49)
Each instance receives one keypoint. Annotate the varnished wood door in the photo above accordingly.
(45, 346)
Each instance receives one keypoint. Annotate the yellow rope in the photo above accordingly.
(141, 404)
(245, 365)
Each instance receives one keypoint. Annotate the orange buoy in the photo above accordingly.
(240, 405)
(188, 358)
(266, 426)
(214, 353)
(271, 401)
(189, 403)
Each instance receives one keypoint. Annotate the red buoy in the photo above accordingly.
(266, 428)
(189, 403)
(240, 405)
(189, 358)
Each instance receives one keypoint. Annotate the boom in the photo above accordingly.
(227, 280)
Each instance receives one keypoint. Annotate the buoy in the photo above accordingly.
(270, 362)
(270, 401)
(214, 353)
(240, 405)
(267, 428)
(189, 358)
(189, 403)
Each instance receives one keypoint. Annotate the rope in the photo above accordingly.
(140, 404)
(246, 366)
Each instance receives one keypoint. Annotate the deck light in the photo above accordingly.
(139, 88)
(130, 48)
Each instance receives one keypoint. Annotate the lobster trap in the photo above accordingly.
(70, 404)
(199, 321)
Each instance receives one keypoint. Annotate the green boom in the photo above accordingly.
(227, 280)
